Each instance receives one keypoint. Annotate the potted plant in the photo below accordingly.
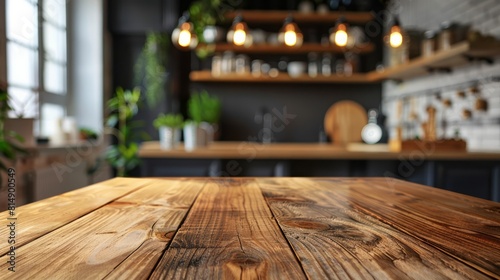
(204, 111)
(8, 149)
(169, 127)
(149, 70)
(123, 107)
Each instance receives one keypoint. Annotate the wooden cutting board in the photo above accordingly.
(344, 121)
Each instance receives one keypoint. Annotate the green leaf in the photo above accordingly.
(112, 121)
(16, 136)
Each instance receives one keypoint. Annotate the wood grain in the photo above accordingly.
(362, 243)
(455, 56)
(229, 233)
(265, 228)
(282, 49)
(344, 121)
(120, 239)
(207, 77)
(246, 150)
(267, 16)
(37, 219)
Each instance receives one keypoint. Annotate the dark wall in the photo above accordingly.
(129, 22)
(308, 102)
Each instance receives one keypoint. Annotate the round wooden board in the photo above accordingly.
(344, 121)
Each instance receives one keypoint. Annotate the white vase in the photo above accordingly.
(194, 137)
(169, 137)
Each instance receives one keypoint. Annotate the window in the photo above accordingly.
(37, 59)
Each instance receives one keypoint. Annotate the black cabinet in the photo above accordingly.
(475, 178)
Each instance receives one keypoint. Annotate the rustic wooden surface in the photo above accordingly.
(253, 150)
(265, 228)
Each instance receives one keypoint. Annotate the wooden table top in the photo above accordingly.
(246, 228)
(326, 151)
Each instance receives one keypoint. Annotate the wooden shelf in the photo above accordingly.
(459, 54)
(280, 49)
(206, 76)
(277, 17)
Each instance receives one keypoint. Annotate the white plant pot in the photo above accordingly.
(169, 137)
(194, 137)
(209, 131)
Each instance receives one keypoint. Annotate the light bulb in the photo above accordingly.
(395, 34)
(341, 38)
(339, 35)
(290, 34)
(395, 38)
(183, 36)
(290, 38)
(239, 37)
(238, 34)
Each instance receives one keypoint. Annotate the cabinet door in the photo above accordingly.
(467, 177)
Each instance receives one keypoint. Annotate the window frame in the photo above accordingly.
(44, 96)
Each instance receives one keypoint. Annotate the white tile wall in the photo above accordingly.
(483, 133)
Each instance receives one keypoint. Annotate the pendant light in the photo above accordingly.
(183, 35)
(290, 33)
(396, 34)
(238, 34)
(338, 35)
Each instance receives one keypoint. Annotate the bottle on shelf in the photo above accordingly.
(216, 65)
(326, 64)
(428, 44)
(312, 66)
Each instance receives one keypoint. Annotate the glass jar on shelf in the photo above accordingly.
(350, 64)
(428, 43)
(228, 62)
(242, 64)
(312, 65)
(256, 67)
(216, 65)
(445, 39)
(326, 64)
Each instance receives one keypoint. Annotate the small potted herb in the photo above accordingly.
(169, 127)
(204, 111)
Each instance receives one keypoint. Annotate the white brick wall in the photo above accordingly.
(483, 132)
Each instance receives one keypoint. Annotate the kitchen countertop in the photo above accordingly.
(265, 228)
(253, 150)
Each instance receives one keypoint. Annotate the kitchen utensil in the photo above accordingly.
(344, 122)
(371, 133)
(466, 114)
(481, 104)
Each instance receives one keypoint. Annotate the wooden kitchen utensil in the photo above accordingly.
(344, 121)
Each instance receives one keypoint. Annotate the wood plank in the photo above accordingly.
(277, 17)
(36, 219)
(123, 239)
(247, 150)
(206, 76)
(280, 49)
(473, 239)
(365, 242)
(177, 197)
(229, 233)
(457, 55)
